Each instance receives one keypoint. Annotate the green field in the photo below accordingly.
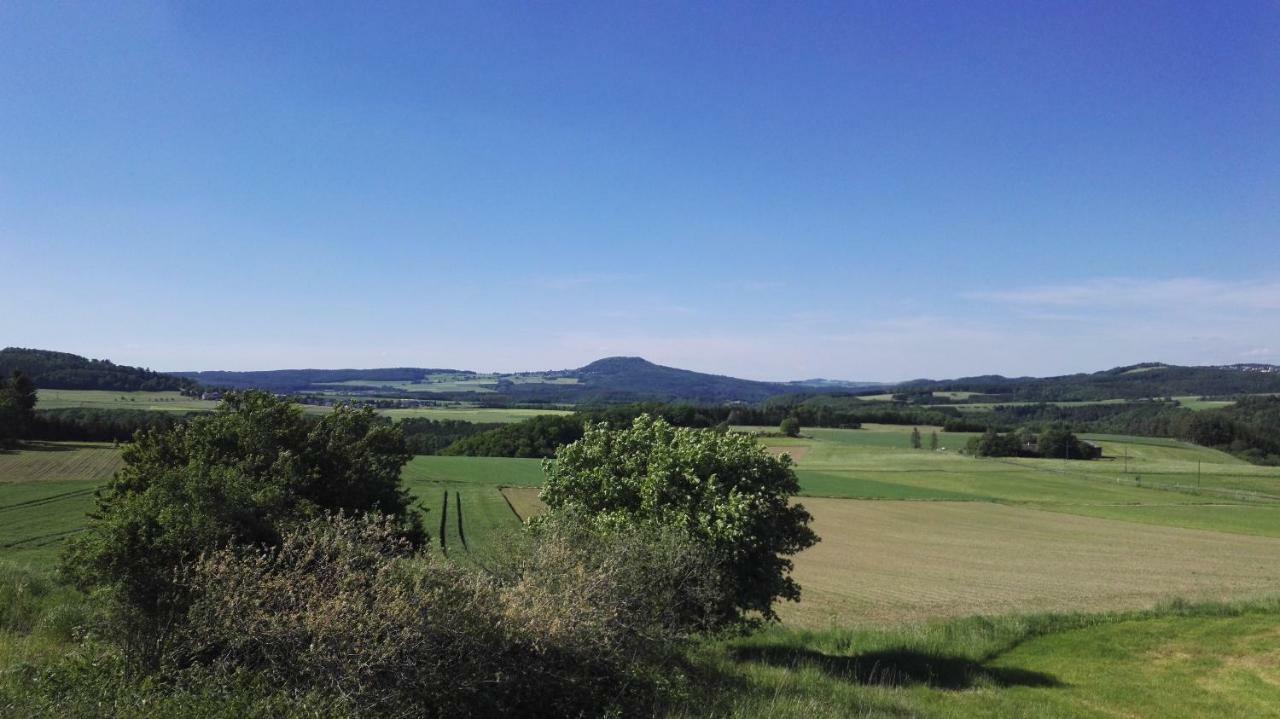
(881, 629)
(103, 399)
(1176, 662)
(471, 414)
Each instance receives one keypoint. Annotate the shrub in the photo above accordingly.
(571, 622)
(722, 489)
(242, 475)
(790, 427)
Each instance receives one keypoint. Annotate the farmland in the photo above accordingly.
(913, 541)
(105, 399)
(175, 402)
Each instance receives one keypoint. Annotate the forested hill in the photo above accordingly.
(62, 370)
(1130, 382)
(298, 380)
(633, 378)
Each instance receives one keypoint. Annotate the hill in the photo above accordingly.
(63, 370)
(1139, 381)
(609, 380)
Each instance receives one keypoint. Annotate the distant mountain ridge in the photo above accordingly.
(611, 379)
(631, 379)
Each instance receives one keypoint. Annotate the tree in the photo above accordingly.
(790, 427)
(933, 441)
(17, 407)
(994, 444)
(240, 476)
(1060, 443)
(723, 489)
(915, 438)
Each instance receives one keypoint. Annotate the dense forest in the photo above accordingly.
(62, 370)
(1130, 382)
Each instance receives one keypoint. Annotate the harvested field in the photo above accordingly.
(524, 500)
(890, 562)
(796, 453)
(46, 461)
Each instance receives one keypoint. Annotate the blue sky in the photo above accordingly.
(851, 190)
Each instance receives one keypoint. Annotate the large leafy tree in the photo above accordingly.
(242, 475)
(722, 488)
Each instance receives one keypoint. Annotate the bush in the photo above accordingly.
(571, 622)
(242, 475)
(722, 489)
(790, 427)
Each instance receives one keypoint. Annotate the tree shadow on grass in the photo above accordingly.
(36, 445)
(900, 667)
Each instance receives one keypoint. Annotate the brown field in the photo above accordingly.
(796, 452)
(889, 562)
(524, 500)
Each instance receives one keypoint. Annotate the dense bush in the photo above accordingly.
(722, 488)
(572, 622)
(242, 475)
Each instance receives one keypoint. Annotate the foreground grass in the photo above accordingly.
(1175, 661)
(1178, 660)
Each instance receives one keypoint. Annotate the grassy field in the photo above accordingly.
(896, 561)
(471, 414)
(103, 399)
(881, 630)
(1175, 662)
(936, 543)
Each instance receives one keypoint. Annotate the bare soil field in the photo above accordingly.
(797, 453)
(524, 500)
(893, 562)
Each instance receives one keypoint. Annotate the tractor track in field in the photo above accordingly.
(47, 500)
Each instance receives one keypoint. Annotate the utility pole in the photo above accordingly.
(1126, 459)
(1197, 474)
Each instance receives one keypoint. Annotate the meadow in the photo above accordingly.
(105, 399)
(943, 585)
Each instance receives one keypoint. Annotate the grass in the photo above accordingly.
(1174, 661)
(473, 484)
(468, 414)
(104, 399)
(898, 561)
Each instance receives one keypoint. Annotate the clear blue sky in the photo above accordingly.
(852, 190)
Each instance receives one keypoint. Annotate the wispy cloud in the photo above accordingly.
(1128, 292)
